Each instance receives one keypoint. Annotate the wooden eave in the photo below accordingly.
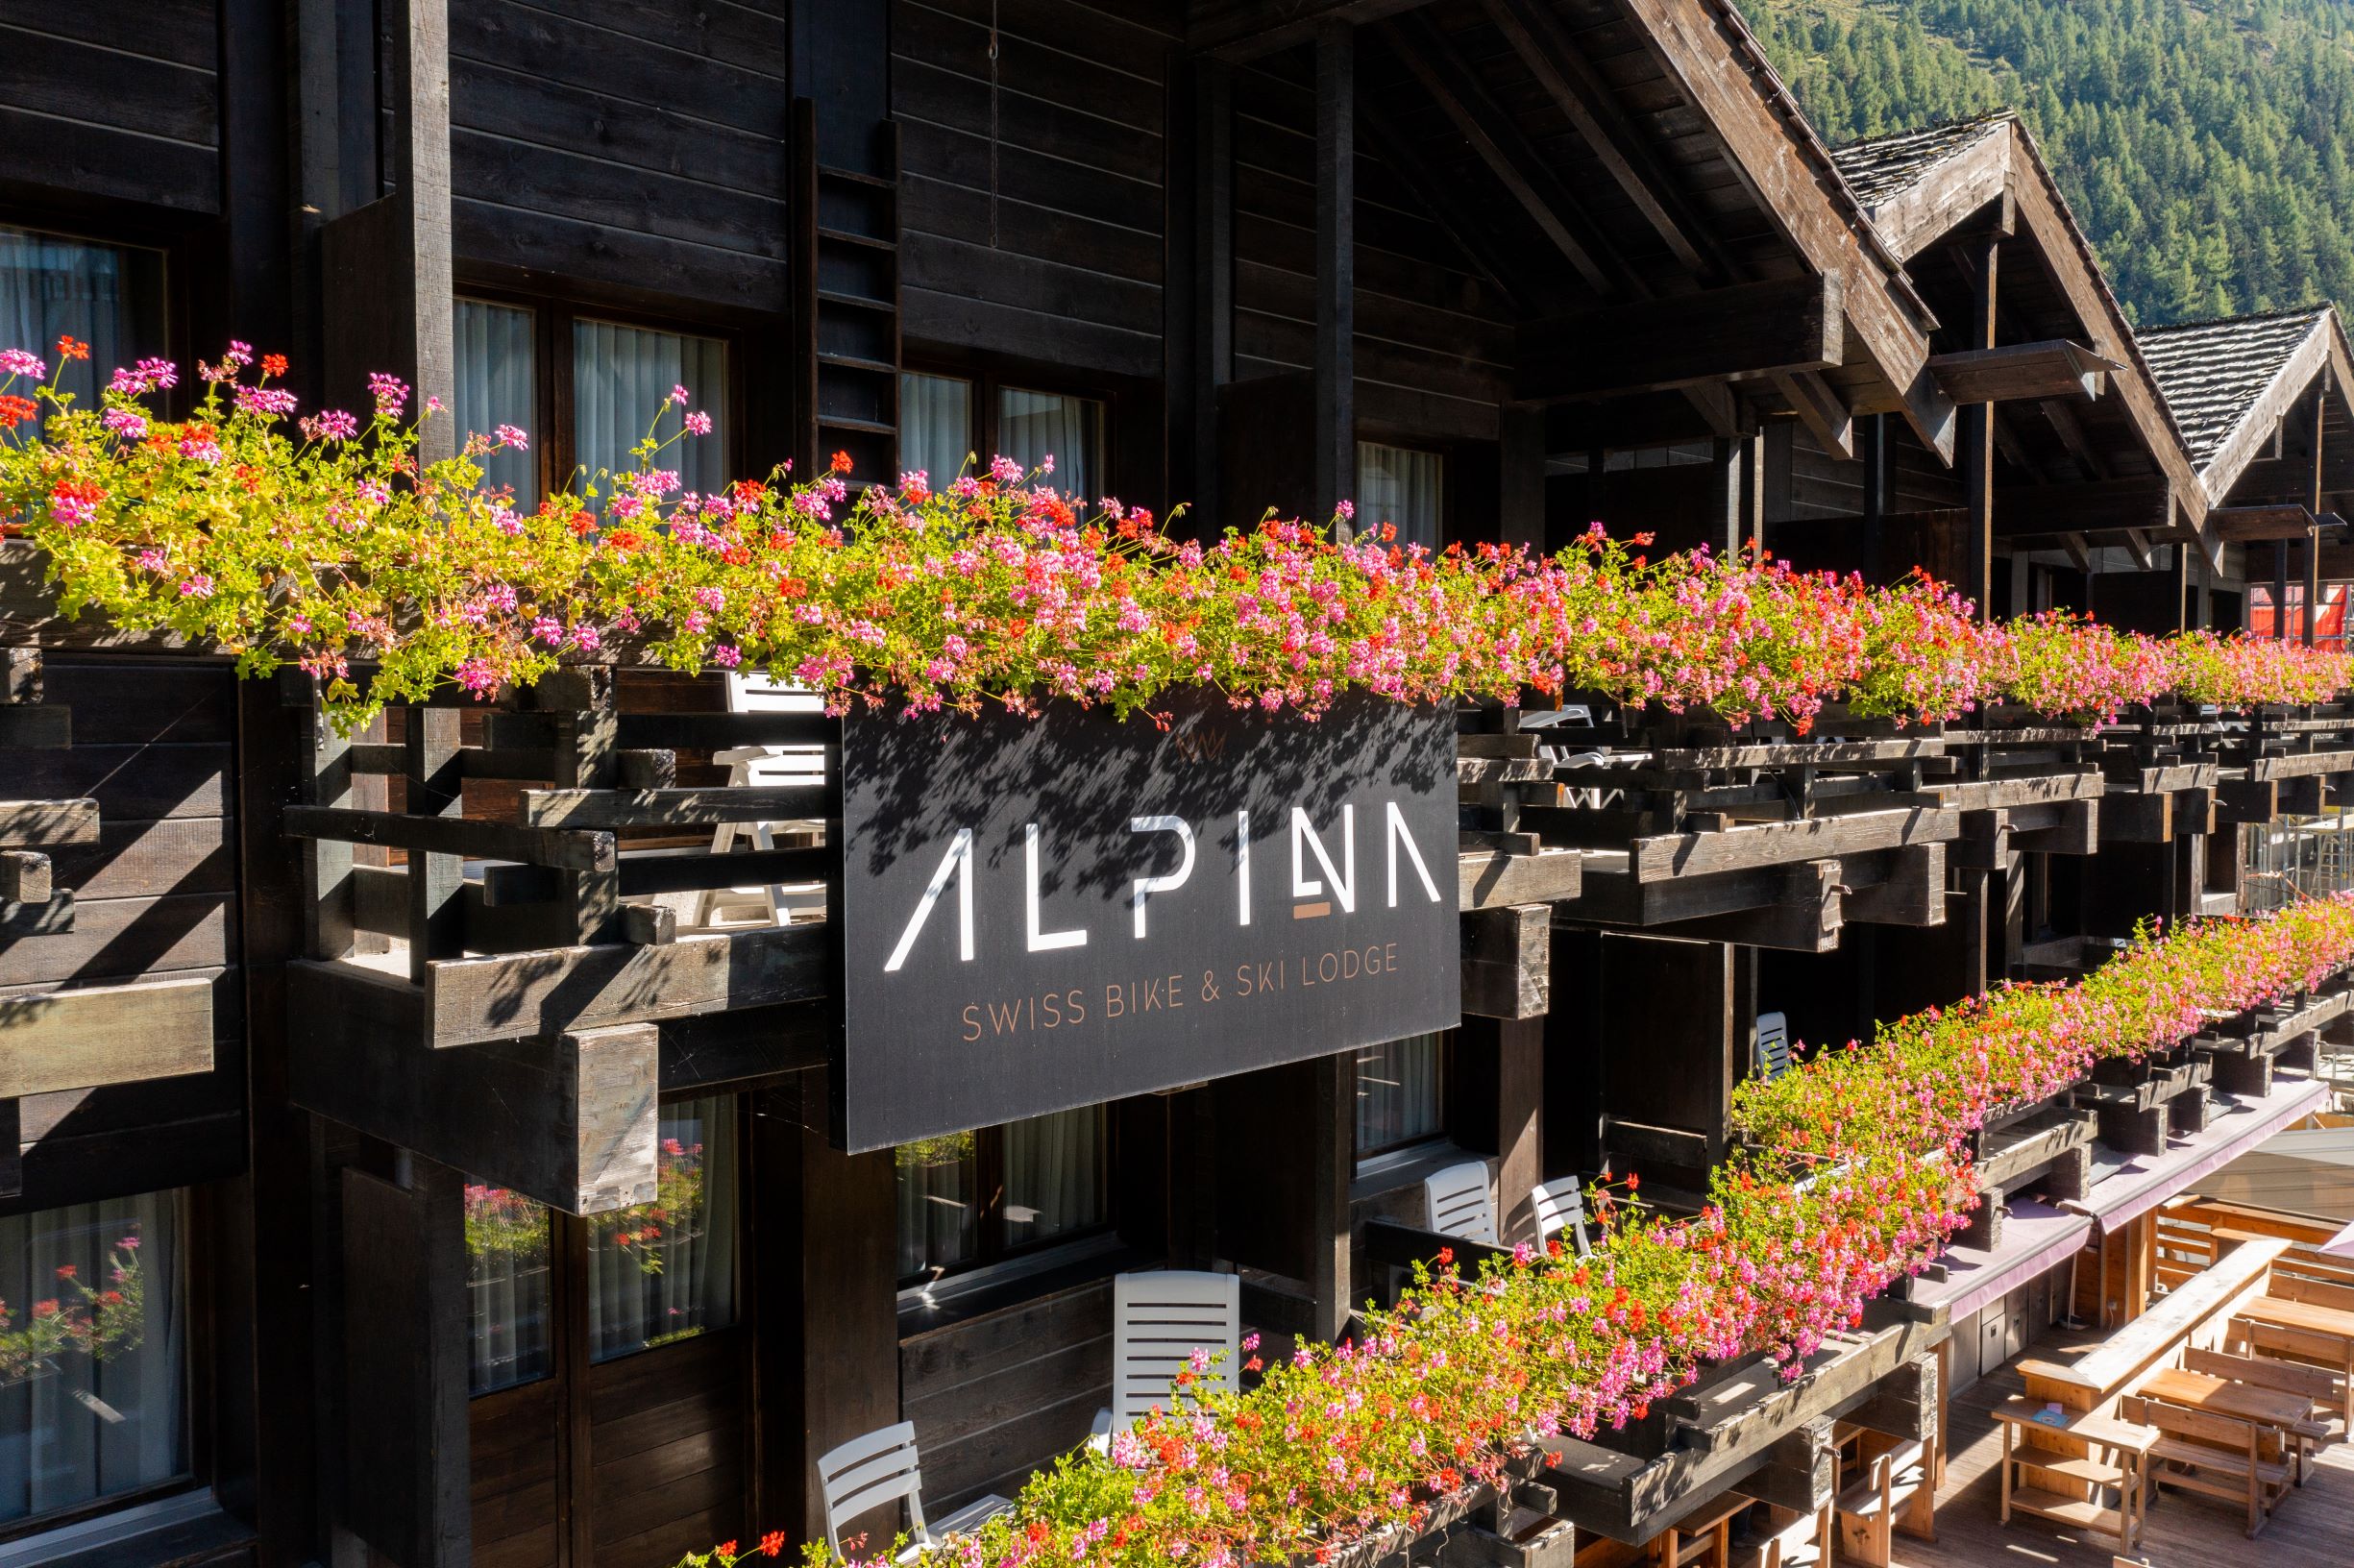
(2323, 352)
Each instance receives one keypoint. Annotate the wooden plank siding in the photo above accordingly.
(998, 1396)
(1033, 195)
(1433, 343)
(151, 137)
(156, 895)
(670, 1449)
(638, 147)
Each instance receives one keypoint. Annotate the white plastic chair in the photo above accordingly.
(1460, 1203)
(1560, 1206)
(1159, 1319)
(882, 1467)
(1773, 1045)
(761, 765)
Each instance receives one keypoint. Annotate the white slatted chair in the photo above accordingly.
(883, 1467)
(1159, 1319)
(1560, 1206)
(1460, 1203)
(1773, 1045)
(758, 765)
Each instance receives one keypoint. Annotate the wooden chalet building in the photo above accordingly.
(374, 1059)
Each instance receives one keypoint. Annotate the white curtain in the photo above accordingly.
(1398, 1094)
(676, 1276)
(935, 427)
(110, 297)
(938, 1203)
(1396, 485)
(507, 1290)
(90, 1416)
(1053, 1175)
(1033, 426)
(495, 387)
(619, 377)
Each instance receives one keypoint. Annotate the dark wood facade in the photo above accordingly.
(1583, 250)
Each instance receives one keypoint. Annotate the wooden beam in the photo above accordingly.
(694, 806)
(543, 993)
(1492, 879)
(1333, 457)
(1240, 30)
(1822, 409)
(1788, 324)
(1914, 894)
(1526, 175)
(2094, 507)
(564, 847)
(93, 1036)
(2249, 525)
(25, 877)
(1589, 101)
(48, 825)
(36, 726)
(1508, 962)
(2019, 372)
(1776, 156)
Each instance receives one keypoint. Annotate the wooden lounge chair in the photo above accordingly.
(2217, 1455)
(1893, 1494)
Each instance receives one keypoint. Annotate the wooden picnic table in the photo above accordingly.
(2323, 1332)
(2220, 1396)
(2124, 1468)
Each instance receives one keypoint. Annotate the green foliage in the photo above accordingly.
(2203, 148)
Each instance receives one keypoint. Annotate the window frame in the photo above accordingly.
(989, 1245)
(198, 1223)
(555, 440)
(172, 247)
(1440, 1133)
(571, 1352)
(990, 378)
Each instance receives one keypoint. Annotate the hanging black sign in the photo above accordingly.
(1049, 913)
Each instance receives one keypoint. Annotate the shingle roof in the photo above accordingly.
(2212, 372)
(1877, 167)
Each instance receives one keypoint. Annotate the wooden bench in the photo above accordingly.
(1893, 1495)
(2212, 1454)
(2314, 1385)
(1803, 1542)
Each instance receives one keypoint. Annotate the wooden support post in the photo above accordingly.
(1508, 961)
(11, 1149)
(1499, 1089)
(1336, 366)
(1213, 276)
(1977, 440)
(2280, 590)
(587, 745)
(406, 1483)
(436, 916)
(1872, 446)
(1332, 1156)
(2314, 505)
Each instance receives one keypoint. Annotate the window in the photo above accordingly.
(971, 1198)
(2329, 626)
(1400, 1093)
(935, 426)
(93, 1352)
(666, 1270)
(108, 296)
(937, 430)
(654, 1274)
(621, 374)
(1404, 487)
(511, 358)
(496, 381)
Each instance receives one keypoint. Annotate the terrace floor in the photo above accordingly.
(2311, 1528)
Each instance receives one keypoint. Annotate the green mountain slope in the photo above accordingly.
(2204, 147)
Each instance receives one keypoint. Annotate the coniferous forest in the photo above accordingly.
(2205, 148)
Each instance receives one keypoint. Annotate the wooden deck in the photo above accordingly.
(2312, 1528)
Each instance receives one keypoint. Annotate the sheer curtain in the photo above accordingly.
(507, 1290)
(939, 1182)
(666, 1270)
(1053, 1175)
(935, 426)
(495, 386)
(622, 373)
(93, 1352)
(1033, 426)
(1397, 485)
(108, 296)
(1398, 1098)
